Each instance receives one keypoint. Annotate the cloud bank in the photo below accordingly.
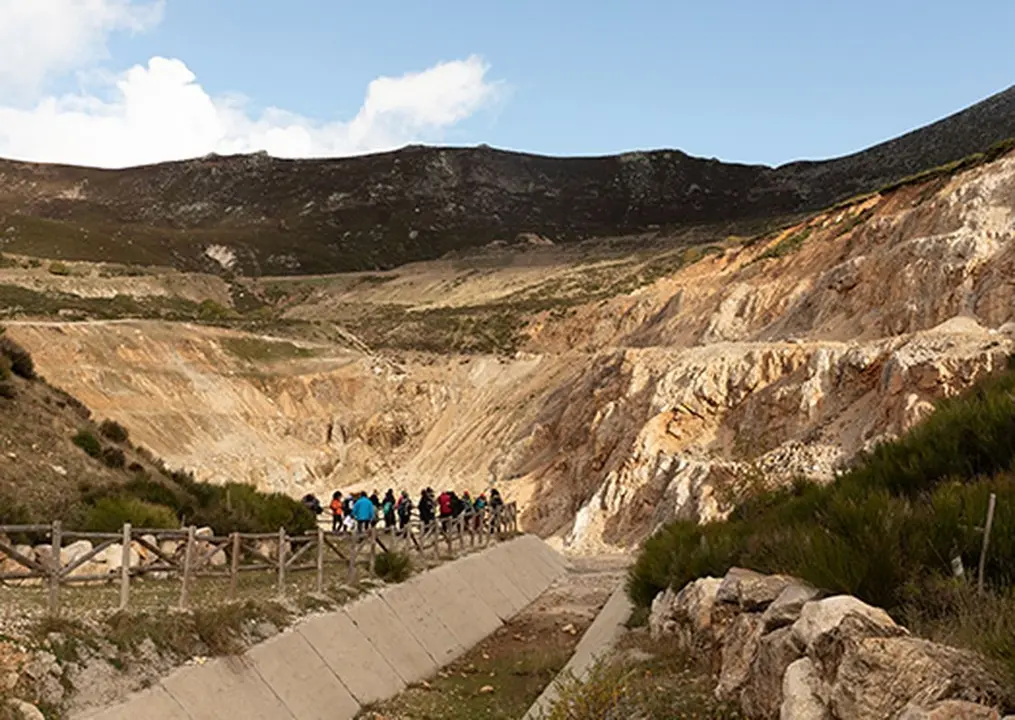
(159, 111)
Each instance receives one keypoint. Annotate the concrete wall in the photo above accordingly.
(329, 665)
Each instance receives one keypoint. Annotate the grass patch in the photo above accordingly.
(886, 531)
(995, 152)
(393, 567)
(257, 350)
(86, 440)
(786, 246)
(59, 268)
(664, 683)
(109, 514)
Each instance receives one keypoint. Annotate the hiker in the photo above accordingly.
(376, 500)
(444, 508)
(364, 512)
(456, 505)
(404, 510)
(349, 521)
(480, 506)
(496, 502)
(388, 508)
(311, 503)
(426, 507)
(337, 507)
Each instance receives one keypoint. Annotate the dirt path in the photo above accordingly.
(503, 675)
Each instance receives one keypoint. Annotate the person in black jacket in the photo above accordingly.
(426, 507)
(404, 508)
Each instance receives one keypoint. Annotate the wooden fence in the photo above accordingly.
(186, 554)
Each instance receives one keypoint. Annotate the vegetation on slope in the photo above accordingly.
(57, 464)
(887, 531)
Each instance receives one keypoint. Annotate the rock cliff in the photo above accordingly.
(760, 359)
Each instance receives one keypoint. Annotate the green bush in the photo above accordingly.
(5, 368)
(88, 442)
(393, 567)
(59, 268)
(114, 458)
(109, 514)
(7, 390)
(20, 360)
(112, 430)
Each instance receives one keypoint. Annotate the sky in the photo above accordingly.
(114, 83)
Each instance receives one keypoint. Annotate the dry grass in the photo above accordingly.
(646, 679)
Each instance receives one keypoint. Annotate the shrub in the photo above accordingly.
(393, 567)
(112, 430)
(21, 361)
(7, 390)
(114, 458)
(109, 514)
(88, 442)
(5, 368)
(884, 530)
(59, 268)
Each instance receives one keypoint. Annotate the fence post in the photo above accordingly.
(281, 561)
(373, 549)
(353, 551)
(234, 565)
(188, 561)
(125, 569)
(320, 560)
(54, 569)
(986, 542)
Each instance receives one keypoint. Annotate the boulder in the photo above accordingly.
(219, 559)
(950, 710)
(762, 693)
(20, 710)
(739, 645)
(169, 548)
(113, 557)
(785, 608)
(801, 693)
(750, 590)
(44, 555)
(10, 565)
(146, 556)
(880, 676)
(75, 551)
(687, 613)
(204, 532)
(820, 617)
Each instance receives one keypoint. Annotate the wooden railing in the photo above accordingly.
(186, 554)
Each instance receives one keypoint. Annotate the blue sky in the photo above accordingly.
(746, 81)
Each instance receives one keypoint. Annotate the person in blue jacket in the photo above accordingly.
(364, 512)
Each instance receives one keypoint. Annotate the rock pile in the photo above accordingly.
(782, 649)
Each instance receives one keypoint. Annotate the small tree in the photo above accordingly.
(112, 430)
(21, 363)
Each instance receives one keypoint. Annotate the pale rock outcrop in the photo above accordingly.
(786, 608)
(835, 658)
(751, 590)
(800, 693)
(739, 645)
(688, 610)
(819, 617)
(762, 692)
(950, 710)
(24, 711)
(879, 677)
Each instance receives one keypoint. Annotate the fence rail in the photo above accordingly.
(74, 557)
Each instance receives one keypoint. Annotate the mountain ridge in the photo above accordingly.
(258, 215)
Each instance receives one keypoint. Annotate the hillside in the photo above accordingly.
(607, 387)
(262, 216)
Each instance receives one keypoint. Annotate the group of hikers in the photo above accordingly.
(359, 511)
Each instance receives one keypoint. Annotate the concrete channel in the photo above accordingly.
(328, 666)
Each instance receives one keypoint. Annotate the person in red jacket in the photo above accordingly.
(444, 508)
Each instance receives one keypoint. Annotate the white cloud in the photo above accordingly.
(40, 38)
(160, 112)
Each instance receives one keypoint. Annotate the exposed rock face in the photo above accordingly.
(841, 659)
(618, 414)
